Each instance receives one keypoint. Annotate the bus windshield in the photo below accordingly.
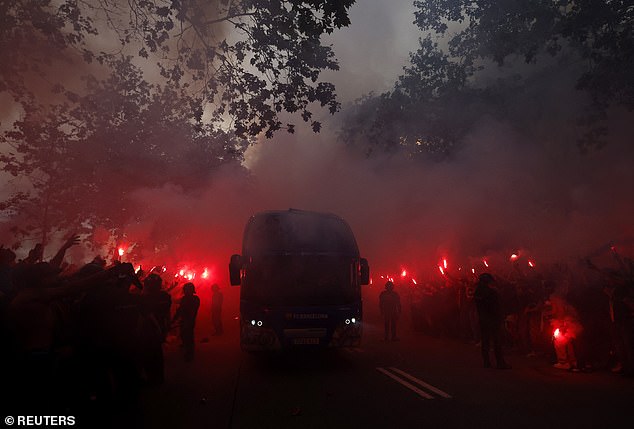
(301, 280)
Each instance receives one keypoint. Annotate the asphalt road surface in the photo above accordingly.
(417, 382)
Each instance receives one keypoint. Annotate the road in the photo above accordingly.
(417, 382)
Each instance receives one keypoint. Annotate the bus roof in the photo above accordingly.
(298, 232)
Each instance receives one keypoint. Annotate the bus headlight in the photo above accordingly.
(347, 334)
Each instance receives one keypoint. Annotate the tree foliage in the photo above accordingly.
(601, 33)
(441, 92)
(244, 61)
(84, 158)
(106, 96)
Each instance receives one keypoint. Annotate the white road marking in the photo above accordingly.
(421, 383)
(405, 383)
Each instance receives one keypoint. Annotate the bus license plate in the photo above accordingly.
(305, 341)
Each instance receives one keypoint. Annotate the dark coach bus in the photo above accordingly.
(301, 278)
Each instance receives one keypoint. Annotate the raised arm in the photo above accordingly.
(59, 257)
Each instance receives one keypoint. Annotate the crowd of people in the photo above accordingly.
(580, 319)
(88, 340)
(85, 340)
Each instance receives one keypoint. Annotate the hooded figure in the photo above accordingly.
(390, 304)
(186, 315)
(490, 317)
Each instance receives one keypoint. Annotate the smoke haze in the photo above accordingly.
(523, 188)
(501, 194)
(508, 189)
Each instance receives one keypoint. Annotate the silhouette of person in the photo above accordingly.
(490, 318)
(216, 309)
(621, 301)
(186, 315)
(157, 302)
(390, 305)
(35, 254)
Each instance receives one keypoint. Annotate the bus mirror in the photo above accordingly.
(234, 269)
(365, 272)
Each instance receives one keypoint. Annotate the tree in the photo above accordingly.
(84, 157)
(597, 36)
(244, 60)
(448, 81)
(426, 114)
(111, 95)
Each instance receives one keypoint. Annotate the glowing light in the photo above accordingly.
(253, 322)
(176, 275)
(121, 251)
(441, 270)
(414, 281)
(531, 264)
(164, 269)
(444, 263)
(473, 270)
(347, 321)
(391, 279)
(259, 323)
(557, 333)
(514, 257)
(181, 273)
(137, 269)
(404, 273)
(205, 274)
(354, 320)
(486, 264)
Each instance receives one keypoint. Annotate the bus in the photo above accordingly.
(300, 276)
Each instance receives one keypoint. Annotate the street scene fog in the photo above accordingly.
(316, 213)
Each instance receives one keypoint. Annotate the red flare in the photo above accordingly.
(121, 251)
(514, 257)
(531, 264)
(205, 274)
(404, 273)
(556, 333)
(444, 263)
(441, 270)
(486, 264)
